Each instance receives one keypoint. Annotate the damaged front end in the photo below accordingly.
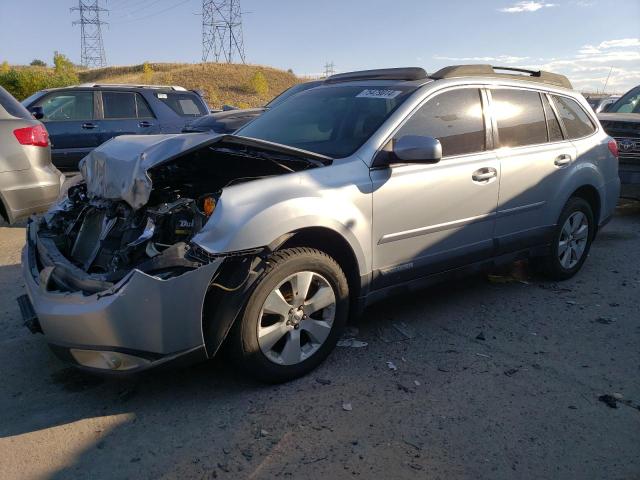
(113, 276)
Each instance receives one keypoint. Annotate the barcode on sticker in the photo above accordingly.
(386, 94)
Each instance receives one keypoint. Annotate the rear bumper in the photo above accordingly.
(630, 180)
(138, 323)
(30, 191)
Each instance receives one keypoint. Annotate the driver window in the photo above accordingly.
(64, 106)
(453, 117)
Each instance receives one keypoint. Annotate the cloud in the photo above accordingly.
(527, 6)
(587, 68)
(500, 59)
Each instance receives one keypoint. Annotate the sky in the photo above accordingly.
(584, 39)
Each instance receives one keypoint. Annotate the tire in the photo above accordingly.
(275, 341)
(570, 246)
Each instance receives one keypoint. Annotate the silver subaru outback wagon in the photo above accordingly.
(269, 239)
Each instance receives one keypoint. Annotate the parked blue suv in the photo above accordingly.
(80, 118)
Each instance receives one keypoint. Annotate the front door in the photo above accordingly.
(428, 218)
(69, 116)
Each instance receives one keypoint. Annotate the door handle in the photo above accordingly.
(484, 175)
(89, 125)
(145, 124)
(562, 160)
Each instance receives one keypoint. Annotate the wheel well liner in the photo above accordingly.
(591, 195)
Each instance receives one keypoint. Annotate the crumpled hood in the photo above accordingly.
(118, 168)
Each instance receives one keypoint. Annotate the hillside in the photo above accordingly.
(222, 83)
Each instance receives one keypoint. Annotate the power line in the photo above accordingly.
(154, 13)
(91, 46)
(222, 30)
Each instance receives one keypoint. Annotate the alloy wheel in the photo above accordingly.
(573, 240)
(296, 318)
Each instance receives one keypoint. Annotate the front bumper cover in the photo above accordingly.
(141, 315)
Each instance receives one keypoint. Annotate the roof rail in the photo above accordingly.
(133, 85)
(409, 73)
(483, 70)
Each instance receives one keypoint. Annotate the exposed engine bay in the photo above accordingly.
(106, 238)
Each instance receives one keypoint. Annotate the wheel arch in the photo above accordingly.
(591, 195)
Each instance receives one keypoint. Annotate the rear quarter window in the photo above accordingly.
(576, 121)
(182, 103)
(12, 106)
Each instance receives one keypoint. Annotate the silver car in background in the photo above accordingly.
(29, 183)
(370, 184)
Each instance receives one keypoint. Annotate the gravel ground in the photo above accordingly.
(499, 379)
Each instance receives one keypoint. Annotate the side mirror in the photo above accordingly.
(37, 113)
(417, 149)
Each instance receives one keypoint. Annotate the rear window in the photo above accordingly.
(12, 106)
(575, 120)
(519, 116)
(184, 104)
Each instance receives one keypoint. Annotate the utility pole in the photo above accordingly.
(91, 46)
(329, 69)
(222, 30)
(605, 83)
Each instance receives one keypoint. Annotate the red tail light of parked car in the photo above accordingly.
(36, 135)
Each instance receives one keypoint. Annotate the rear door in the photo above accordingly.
(534, 160)
(125, 113)
(70, 119)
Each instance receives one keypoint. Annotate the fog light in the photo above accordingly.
(108, 360)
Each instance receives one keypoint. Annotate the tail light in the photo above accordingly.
(36, 135)
(613, 147)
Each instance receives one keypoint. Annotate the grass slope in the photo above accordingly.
(222, 83)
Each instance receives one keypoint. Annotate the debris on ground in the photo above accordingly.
(609, 400)
(404, 388)
(483, 355)
(348, 339)
(605, 320)
(351, 342)
(511, 372)
(416, 383)
(323, 381)
(264, 433)
(392, 366)
(347, 407)
(480, 336)
(396, 332)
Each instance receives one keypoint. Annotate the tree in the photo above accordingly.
(36, 62)
(147, 72)
(4, 67)
(61, 63)
(258, 84)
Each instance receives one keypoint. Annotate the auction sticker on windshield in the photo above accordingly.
(386, 94)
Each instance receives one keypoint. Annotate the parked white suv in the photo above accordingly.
(371, 183)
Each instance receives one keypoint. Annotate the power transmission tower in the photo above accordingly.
(329, 69)
(222, 30)
(91, 46)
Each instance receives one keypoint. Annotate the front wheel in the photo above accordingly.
(572, 239)
(294, 316)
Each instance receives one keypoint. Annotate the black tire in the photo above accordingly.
(243, 340)
(553, 266)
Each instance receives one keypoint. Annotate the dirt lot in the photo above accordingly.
(495, 380)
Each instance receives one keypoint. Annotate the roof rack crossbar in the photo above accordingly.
(409, 74)
(484, 70)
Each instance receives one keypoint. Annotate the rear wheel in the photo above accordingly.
(294, 317)
(572, 239)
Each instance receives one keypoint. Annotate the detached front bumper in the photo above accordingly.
(140, 322)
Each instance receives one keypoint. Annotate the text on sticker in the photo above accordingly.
(386, 94)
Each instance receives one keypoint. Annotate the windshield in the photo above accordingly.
(333, 120)
(301, 87)
(629, 103)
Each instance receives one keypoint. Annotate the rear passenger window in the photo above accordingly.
(519, 116)
(576, 121)
(184, 104)
(553, 126)
(124, 105)
(455, 118)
